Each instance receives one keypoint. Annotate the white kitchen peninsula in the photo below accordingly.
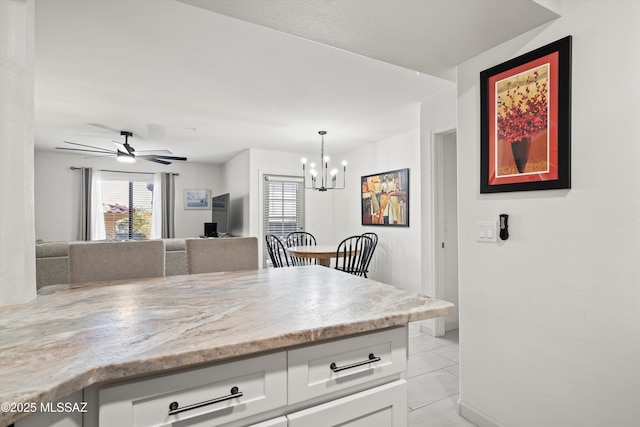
(300, 346)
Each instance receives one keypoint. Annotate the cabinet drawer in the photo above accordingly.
(276, 422)
(383, 406)
(206, 396)
(337, 365)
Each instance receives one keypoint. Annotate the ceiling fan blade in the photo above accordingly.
(89, 146)
(104, 155)
(110, 153)
(158, 152)
(162, 162)
(182, 159)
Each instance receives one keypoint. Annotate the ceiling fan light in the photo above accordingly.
(126, 158)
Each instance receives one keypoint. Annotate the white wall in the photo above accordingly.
(318, 206)
(57, 192)
(236, 183)
(449, 206)
(550, 319)
(397, 259)
(437, 116)
(17, 211)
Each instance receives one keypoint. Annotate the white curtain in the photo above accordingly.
(97, 211)
(156, 208)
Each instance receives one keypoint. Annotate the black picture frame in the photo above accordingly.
(525, 120)
(384, 199)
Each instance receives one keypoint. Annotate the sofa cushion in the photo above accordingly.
(52, 249)
(52, 271)
(172, 245)
(175, 263)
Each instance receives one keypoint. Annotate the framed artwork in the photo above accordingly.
(197, 199)
(525, 120)
(385, 198)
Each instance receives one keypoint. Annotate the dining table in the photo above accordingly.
(323, 253)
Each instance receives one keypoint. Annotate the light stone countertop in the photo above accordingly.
(73, 336)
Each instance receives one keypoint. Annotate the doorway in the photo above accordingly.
(446, 226)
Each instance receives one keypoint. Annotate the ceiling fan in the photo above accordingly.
(125, 152)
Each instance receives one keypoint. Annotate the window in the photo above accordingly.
(127, 201)
(283, 208)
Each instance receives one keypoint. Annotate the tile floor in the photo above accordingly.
(433, 380)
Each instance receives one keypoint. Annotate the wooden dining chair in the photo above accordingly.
(374, 238)
(301, 238)
(277, 252)
(352, 253)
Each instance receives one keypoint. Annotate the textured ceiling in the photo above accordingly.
(430, 36)
(206, 85)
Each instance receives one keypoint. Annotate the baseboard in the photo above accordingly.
(475, 416)
(450, 325)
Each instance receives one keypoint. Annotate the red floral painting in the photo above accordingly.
(526, 121)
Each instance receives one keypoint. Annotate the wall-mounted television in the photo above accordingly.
(221, 213)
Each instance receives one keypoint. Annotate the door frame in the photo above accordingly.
(437, 223)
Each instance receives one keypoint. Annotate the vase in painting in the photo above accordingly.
(520, 150)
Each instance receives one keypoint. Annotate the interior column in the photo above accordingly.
(17, 226)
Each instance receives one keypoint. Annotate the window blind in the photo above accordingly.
(128, 205)
(283, 208)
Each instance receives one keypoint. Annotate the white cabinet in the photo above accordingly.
(382, 406)
(64, 413)
(355, 381)
(337, 365)
(276, 422)
(208, 396)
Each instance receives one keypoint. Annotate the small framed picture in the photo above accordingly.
(525, 119)
(197, 199)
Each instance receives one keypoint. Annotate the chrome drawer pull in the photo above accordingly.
(371, 359)
(175, 409)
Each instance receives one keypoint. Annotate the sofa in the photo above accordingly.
(52, 258)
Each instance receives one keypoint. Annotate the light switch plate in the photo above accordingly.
(487, 231)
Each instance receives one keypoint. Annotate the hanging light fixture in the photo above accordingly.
(125, 157)
(125, 152)
(324, 173)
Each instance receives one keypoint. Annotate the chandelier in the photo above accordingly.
(324, 173)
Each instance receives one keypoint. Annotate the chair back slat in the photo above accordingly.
(301, 238)
(277, 252)
(352, 254)
(374, 238)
